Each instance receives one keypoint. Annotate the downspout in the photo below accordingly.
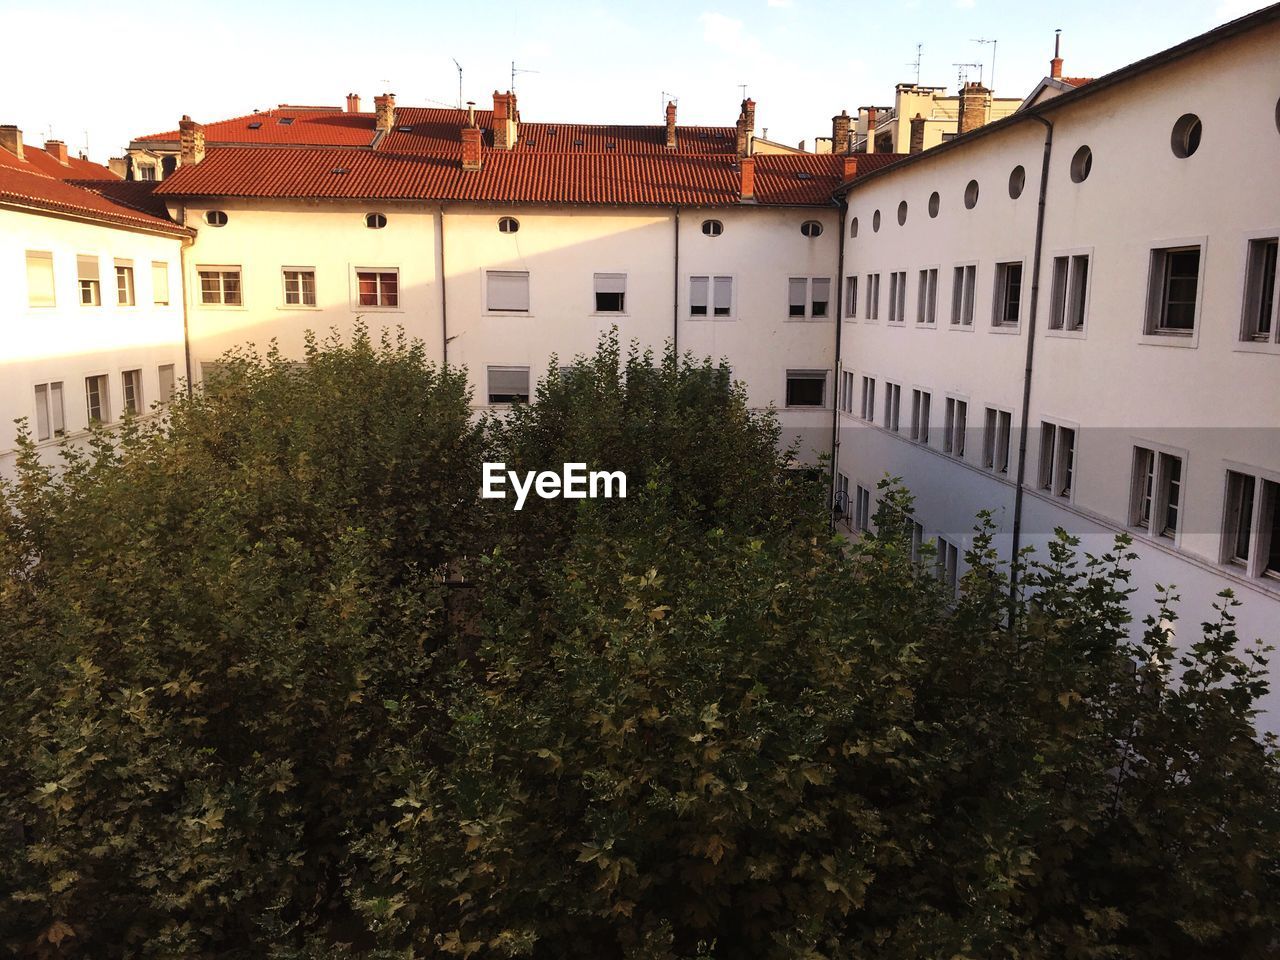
(1026, 373)
(186, 325)
(835, 393)
(675, 292)
(444, 299)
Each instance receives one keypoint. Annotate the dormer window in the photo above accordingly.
(375, 221)
(216, 218)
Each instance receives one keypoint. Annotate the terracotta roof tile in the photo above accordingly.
(27, 188)
(1076, 81)
(306, 128)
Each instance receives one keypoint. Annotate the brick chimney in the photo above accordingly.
(747, 128)
(917, 134)
(190, 140)
(58, 150)
(119, 166)
(850, 167)
(1055, 65)
(747, 168)
(471, 155)
(973, 107)
(353, 103)
(506, 121)
(384, 107)
(11, 140)
(871, 130)
(840, 132)
(671, 125)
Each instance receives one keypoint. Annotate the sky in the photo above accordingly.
(88, 72)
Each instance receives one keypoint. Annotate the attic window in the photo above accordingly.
(804, 175)
(256, 125)
(216, 218)
(703, 135)
(339, 171)
(712, 228)
(811, 229)
(375, 221)
(529, 142)
(577, 143)
(551, 132)
(610, 146)
(508, 225)
(405, 129)
(285, 121)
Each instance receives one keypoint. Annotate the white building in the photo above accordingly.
(1117, 315)
(90, 296)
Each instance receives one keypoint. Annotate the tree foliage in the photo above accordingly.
(274, 681)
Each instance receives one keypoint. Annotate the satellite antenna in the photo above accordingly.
(459, 66)
(515, 70)
(984, 42)
(916, 63)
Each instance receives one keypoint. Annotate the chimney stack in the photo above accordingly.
(11, 140)
(471, 158)
(190, 140)
(973, 107)
(871, 130)
(119, 166)
(58, 150)
(1055, 65)
(747, 168)
(353, 103)
(747, 128)
(506, 120)
(850, 168)
(385, 112)
(917, 134)
(671, 125)
(840, 133)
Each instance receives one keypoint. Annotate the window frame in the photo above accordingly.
(851, 297)
(952, 405)
(862, 509)
(997, 422)
(598, 275)
(284, 289)
(956, 319)
(947, 559)
(1052, 462)
(126, 292)
(507, 368)
(41, 256)
(1266, 502)
(927, 297)
(54, 432)
(104, 398)
(811, 375)
(135, 406)
(921, 402)
(1061, 302)
(86, 284)
(892, 407)
(867, 402)
(1150, 463)
(161, 268)
(872, 293)
(222, 270)
(848, 384)
(1000, 294)
(1153, 330)
(897, 298)
(808, 301)
(710, 305)
(379, 272)
(1245, 341)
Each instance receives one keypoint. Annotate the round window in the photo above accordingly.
(1081, 164)
(1186, 136)
(934, 203)
(712, 228)
(216, 218)
(902, 213)
(375, 221)
(811, 229)
(875, 222)
(853, 227)
(971, 195)
(508, 225)
(1017, 181)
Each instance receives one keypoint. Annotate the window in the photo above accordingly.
(1260, 292)
(965, 280)
(160, 283)
(220, 285)
(875, 222)
(892, 405)
(1175, 279)
(935, 201)
(167, 383)
(215, 218)
(1007, 309)
(873, 296)
(846, 391)
(808, 297)
(1057, 458)
(927, 297)
(146, 171)
(797, 296)
(806, 388)
(897, 296)
(1017, 180)
(995, 440)
(40, 279)
(1081, 165)
(299, 287)
(862, 509)
(1070, 286)
(719, 288)
(850, 296)
(712, 228)
(131, 384)
(902, 213)
(868, 409)
(90, 281)
(917, 540)
(948, 559)
(971, 195)
(723, 302)
(954, 425)
(124, 283)
(508, 225)
(1142, 495)
(610, 292)
(1185, 139)
(1251, 537)
(921, 400)
(819, 304)
(51, 418)
(96, 400)
(1169, 502)
(508, 384)
(381, 288)
(853, 228)
(375, 221)
(1155, 498)
(841, 504)
(811, 229)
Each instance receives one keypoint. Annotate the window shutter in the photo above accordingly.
(509, 381)
(724, 295)
(821, 295)
(698, 294)
(42, 411)
(40, 278)
(87, 267)
(160, 282)
(508, 290)
(611, 283)
(797, 291)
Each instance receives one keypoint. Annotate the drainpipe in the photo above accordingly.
(835, 393)
(1026, 373)
(675, 292)
(187, 243)
(444, 300)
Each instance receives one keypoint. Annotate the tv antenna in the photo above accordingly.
(459, 66)
(515, 70)
(669, 97)
(962, 71)
(743, 88)
(916, 62)
(984, 42)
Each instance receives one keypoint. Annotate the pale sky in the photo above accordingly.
(76, 69)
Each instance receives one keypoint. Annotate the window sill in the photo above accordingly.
(298, 306)
(933, 325)
(807, 320)
(811, 407)
(711, 319)
(1007, 328)
(616, 314)
(221, 306)
(1256, 346)
(1185, 340)
(899, 324)
(960, 327)
(506, 313)
(1063, 334)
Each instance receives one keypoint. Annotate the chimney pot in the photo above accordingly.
(58, 150)
(384, 112)
(11, 140)
(747, 169)
(353, 103)
(471, 113)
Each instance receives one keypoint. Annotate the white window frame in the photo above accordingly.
(947, 559)
(315, 292)
(872, 294)
(130, 286)
(927, 297)
(711, 279)
(41, 256)
(892, 406)
(1067, 294)
(167, 390)
(160, 268)
(997, 424)
(94, 282)
(867, 405)
(490, 369)
(957, 317)
(1160, 454)
(221, 270)
(104, 397)
(848, 384)
(810, 285)
(609, 275)
(998, 324)
(955, 436)
(1245, 342)
(808, 374)
(851, 297)
(138, 401)
(862, 509)
(1261, 518)
(358, 307)
(1151, 332)
(921, 401)
(1051, 476)
(51, 422)
(897, 298)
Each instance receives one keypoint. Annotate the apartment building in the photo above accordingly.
(1069, 317)
(90, 296)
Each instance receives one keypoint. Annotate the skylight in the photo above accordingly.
(257, 124)
(285, 121)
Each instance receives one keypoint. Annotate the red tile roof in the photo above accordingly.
(1076, 81)
(38, 160)
(309, 127)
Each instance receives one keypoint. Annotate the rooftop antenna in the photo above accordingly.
(669, 97)
(459, 66)
(743, 88)
(515, 70)
(984, 42)
(962, 71)
(916, 62)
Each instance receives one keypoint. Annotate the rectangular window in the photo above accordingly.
(1007, 308)
(698, 291)
(710, 294)
(897, 296)
(842, 499)
(610, 292)
(873, 296)
(806, 388)
(962, 295)
(921, 400)
(124, 283)
(1171, 302)
(995, 440)
(868, 411)
(927, 297)
(797, 296)
(1155, 498)
(131, 391)
(1252, 530)
(146, 171)
(51, 418)
(723, 291)
(1169, 484)
(846, 391)
(381, 288)
(850, 296)
(508, 384)
(167, 384)
(1260, 292)
(90, 281)
(95, 399)
(40, 279)
(160, 283)
(862, 509)
(300, 287)
(1057, 458)
(1143, 491)
(819, 305)
(917, 540)
(1070, 286)
(948, 559)
(892, 405)
(220, 285)
(955, 424)
(1238, 535)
